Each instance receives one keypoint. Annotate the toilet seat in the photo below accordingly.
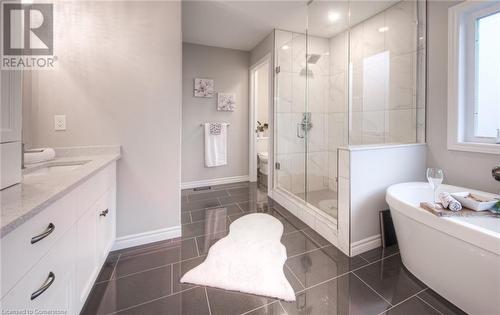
(263, 159)
(263, 156)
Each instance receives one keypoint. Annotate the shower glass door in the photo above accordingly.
(328, 23)
(291, 115)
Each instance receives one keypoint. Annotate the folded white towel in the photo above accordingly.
(215, 145)
(449, 202)
(39, 155)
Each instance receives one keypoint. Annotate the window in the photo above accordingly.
(487, 87)
(474, 76)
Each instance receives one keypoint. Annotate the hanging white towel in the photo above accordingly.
(215, 146)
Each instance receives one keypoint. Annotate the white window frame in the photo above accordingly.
(461, 65)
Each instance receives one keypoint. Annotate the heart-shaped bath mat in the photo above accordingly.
(249, 259)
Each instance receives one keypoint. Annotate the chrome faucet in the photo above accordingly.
(305, 125)
(495, 172)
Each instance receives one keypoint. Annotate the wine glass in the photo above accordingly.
(435, 178)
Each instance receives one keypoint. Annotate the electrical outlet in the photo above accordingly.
(59, 122)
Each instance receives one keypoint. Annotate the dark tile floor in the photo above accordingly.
(145, 280)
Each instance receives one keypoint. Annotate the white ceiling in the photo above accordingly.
(243, 24)
(239, 24)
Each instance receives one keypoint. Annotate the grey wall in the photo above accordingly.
(119, 82)
(460, 168)
(230, 70)
(264, 47)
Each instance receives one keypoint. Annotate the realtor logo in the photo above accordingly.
(27, 36)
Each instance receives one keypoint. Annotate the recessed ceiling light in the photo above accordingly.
(333, 16)
(383, 29)
(285, 47)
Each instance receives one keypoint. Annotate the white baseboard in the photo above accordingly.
(365, 245)
(216, 181)
(147, 237)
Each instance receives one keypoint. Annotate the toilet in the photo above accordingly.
(263, 163)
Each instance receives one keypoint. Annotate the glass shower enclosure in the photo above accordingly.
(354, 77)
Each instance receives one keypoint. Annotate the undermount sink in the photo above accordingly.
(53, 168)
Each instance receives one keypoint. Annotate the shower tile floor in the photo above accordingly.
(325, 200)
(145, 280)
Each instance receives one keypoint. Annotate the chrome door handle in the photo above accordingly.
(50, 228)
(104, 213)
(299, 126)
(50, 279)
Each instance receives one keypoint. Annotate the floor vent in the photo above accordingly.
(202, 188)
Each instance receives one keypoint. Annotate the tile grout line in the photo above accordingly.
(153, 251)
(150, 269)
(172, 277)
(293, 274)
(383, 298)
(142, 271)
(403, 301)
(418, 297)
(151, 301)
(325, 281)
(379, 259)
(254, 309)
(282, 308)
(147, 250)
(203, 220)
(290, 233)
(241, 209)
(190, 217)
(366, 260)
(114, 268)
(309, 251)
(211, 207)
(208, 301)
(374, 262)
(165, 244)
(197, 248)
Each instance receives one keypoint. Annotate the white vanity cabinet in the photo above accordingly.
(106, 224)
(86, 261)
(73, 237)
(49, 285)
(10, 127)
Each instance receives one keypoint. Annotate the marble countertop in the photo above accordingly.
(23, 201)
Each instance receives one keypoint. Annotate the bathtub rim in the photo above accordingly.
(473, 234)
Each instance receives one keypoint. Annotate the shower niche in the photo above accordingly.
(351, 84)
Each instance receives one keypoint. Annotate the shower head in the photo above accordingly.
(313, 58)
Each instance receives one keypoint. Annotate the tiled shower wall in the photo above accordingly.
(385, 53)
(338, 114)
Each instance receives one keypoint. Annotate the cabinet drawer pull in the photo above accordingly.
(104, 213)
(50, 228)
(50, 279)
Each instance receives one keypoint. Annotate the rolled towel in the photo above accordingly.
(449, 202)
(39, 155)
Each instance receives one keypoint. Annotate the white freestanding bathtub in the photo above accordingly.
(458, 257)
